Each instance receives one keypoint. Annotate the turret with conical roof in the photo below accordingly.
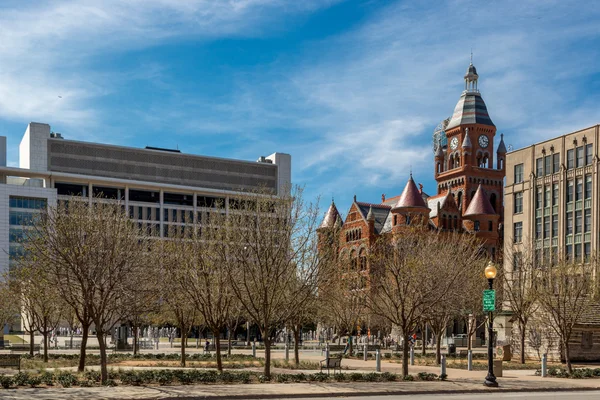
(481, 219)
(410, 209)
(331, 217)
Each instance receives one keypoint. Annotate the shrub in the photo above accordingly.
(164, 377)
(339, 377)
(6, 381)
(355, 377)
(227, 377)
(94, 376)
(443, 377)
(66, 379)
(387, 355)
(21, 379)
(388, 377)
(245, 377)
(596, 372)
(263, 378)
(34, 380)
(86, 383)
(47, 378)
(146, 376)
(282, 378)
(130, 378)
(408, 378)
(318, 377)
(371, 377)
(426, 376)
(110, 383)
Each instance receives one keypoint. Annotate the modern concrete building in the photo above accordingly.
(160, 188)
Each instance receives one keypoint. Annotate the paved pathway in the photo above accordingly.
(257, 391)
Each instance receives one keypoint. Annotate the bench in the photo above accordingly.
(332, 363)
(24, 348)
(10, 360)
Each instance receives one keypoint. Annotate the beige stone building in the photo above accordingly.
(552, 208)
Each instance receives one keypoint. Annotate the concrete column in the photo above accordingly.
(412, 356)
(253, 349)
(377, 360)
(287, 351)
(365, 347)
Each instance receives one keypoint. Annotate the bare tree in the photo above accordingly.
(272, 246)
(517, 290)
(40, 298)
(564, 292)
(201, 253)
(408, 282)
(471, 304)
(95, 254)
(9, 306)
(177, 308)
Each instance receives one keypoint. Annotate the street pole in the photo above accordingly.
(490, 379)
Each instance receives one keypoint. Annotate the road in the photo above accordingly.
(584, 395)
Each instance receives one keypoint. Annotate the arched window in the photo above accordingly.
(407, 219)
(455, 222)
(457, 161)
(500, 163)
(451, 163)
(395, 220)
(479, 160)
(476, 226)
(363, 259)
(490, 226)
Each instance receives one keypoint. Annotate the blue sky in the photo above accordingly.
(352, 89)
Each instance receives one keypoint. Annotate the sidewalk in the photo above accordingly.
(291, 390)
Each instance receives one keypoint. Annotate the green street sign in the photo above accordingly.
(489, 300)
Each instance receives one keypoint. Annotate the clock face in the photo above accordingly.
(454, 143)
(483, 141)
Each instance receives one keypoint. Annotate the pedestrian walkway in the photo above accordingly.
(282, 390)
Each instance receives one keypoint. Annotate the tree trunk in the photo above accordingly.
(405, 355)
(103, 360)
(85, 328)
(45, 334)
(351, 345)
(228, 342)
(267, 369)
(522, 327)
(567, 356)
(438, 348)
(217, 336)
(297, 345)
(424, 339)
(31, 342)
(183, 340)
(135, 339)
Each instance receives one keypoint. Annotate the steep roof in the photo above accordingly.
(480, 204)
(330, 217)
(470, 109)
(410, 197)
(501, 146)
(378, 211)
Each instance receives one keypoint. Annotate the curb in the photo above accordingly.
(381, 393)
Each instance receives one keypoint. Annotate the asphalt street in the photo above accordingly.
(584, 395)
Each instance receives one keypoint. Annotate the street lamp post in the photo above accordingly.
(490, 379)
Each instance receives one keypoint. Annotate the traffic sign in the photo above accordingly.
(489, 300)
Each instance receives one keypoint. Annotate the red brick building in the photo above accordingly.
(469, 187)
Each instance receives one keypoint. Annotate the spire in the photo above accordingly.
(471, 108)
(480, 204)
(501, 146)
(331, 216)
(410, 196)
(370, 215)
(466, 144)
(471, 77)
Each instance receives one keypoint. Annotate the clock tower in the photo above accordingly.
(464, 153)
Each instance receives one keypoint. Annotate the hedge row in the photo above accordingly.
(142, 356)
(187, 377)
(578, 373)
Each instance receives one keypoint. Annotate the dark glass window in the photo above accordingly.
(548, 165)
(569, 223)
(71, 189)
(555, 163)
(538, 228)
(555, 194)
(108, 192)
(569, 190)
(539, 167)
(518, 173)
(580, 156)
(210, 202)
(144, 196)
(587, 222)
(588, 186)
(518, 202)
(570, 159)
(518, 232)
(578, 189)
(589, 154)
(538, 198)
(554, 225)
(178, 199)
(578, 222)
